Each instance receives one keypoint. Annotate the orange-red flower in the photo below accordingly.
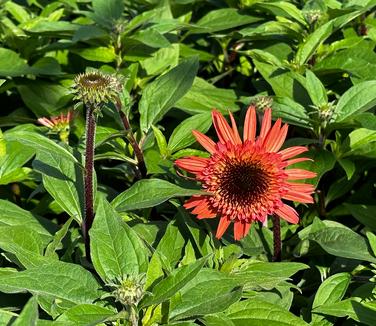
(58, 125)
(246, 180)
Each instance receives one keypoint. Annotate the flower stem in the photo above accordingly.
(136, 148)
(88, 178)
(276, 238)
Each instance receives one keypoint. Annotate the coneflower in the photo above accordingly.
(247, 180)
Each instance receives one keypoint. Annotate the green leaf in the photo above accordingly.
(100, 53)
(17, 11)
(159, 96)
(358, 141)
(257, 312)
(203, 97)
(149, 193)
(169, 286)
(222, 19)
(267, 275)
(116, 249)
(75, 284)
(316, 90)
(43, 98)
(365, 214)
(182, 135)
(209, 292)
(322, 162)
(291, 112)
(151, 37)
(64, 182)
(359, 98)
(161, 141)
(330, 291)
(6, 317)
(167, 254)
(86, 314)
(334, 241)
(107, 12)
(13, 216)
(39, 143)
(29, 314)
(58, 237)
(11, 64)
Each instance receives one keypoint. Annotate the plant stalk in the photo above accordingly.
(88, 178)
(136, 148)
(277, 239)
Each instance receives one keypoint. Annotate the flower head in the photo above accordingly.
(58, 125)
(96, 88)
(246, 180)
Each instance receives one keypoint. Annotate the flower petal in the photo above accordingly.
(241, 229)
(249, 131)
(298, 197)
(45, 122)
(288, 213)
(292, 151)
(235, 129)
(192, 164)
(223, 224)
(224, 131)
(297, 160)
(205, 141)
(266, 123)
(203, 210)
(194, 201)
(297, 174)
(276, 137)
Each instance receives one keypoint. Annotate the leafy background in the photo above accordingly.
(313, 60)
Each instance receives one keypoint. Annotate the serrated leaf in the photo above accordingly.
(116, 249)
(149, 193)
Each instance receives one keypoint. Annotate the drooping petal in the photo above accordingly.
(297, 196)
(235, 130)
(298, 174)
(288, 213)
(194, 201)
(266, 123)
(223, 224)
(241, 229)
(203, 210)
(224, 131)
(292, 151)
(249, 131)
(302, 187)
(45, 122)
(192, 164)
(205, 141)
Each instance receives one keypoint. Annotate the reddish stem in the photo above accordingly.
(276, 238)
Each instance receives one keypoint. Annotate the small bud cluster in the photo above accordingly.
(262, 102)
(312, 16)
(59, 125)
(129, 289)
(96, 88)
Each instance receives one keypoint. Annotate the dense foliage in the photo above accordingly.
(152, 262)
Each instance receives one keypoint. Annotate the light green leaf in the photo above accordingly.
(222, 19)
(330, 291)
(100, 53)
(149, 193)
(291, 112)
(159, 96)
(7, 317)
(257, 312)
(75, 284)
(116, 250)
(209, 292)
(182, 135)
(11, 64)
(203, 97)
(316, 90)
(359, 98)
(29, 314)
(86, 314)
(39, 143)
(161, 141)
(169, 286)
(334, 241)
